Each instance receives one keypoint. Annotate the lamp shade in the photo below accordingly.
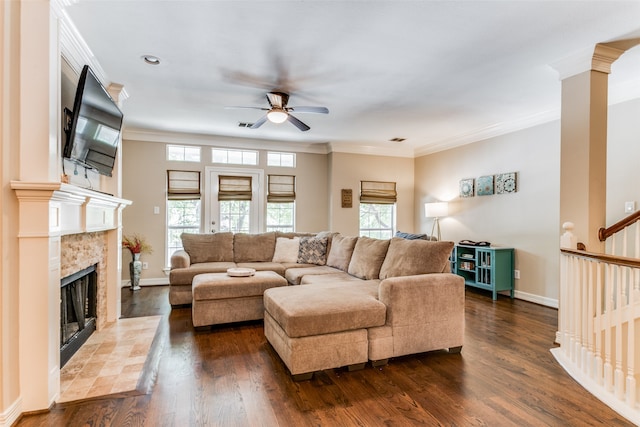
(436, 210)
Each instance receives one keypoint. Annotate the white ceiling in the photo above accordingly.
(438, 73)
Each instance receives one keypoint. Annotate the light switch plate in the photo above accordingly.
(629, 207)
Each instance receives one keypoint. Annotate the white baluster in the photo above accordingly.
(590, 311)
(599, 313)
(608, 368)
(631, 330)
(619, 374)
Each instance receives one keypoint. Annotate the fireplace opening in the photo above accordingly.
(78, 302)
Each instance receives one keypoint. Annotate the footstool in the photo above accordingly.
(323, 326)
(220, 298)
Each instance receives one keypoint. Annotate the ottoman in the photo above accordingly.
(316, 327)
(220, 298)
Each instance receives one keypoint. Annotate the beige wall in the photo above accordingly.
(144, 182)
(9, 149)
(623, 155)
(346, 172)
(527, 220)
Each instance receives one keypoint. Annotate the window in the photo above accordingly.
(281, 198)
(234, 157)
(377, 221)
(280, 217)
(234, 198)
(183, 207)
(377, 209)
(234, 216)
(183, 153)
(285, 160)
(183, 216)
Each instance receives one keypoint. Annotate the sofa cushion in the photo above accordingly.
(294, 275)
(313, 250)
(276, 267)
(253, 247)
(367, 258)
(286, 249)
(335, 278)
(184, 276)
(341, 251)
(215, 247)
(315, 310)
(411, 257)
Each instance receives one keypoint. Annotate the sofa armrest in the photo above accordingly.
(180, 259)
(423, 298)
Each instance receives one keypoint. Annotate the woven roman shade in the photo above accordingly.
(183, 185)
(383, 193)
(234, 187)
(282, 189)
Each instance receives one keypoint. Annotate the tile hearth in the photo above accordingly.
(119, 359)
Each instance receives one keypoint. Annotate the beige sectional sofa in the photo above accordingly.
(359, 299)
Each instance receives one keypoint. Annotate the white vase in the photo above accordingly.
(135, 268)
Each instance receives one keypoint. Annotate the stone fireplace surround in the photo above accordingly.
(62, 229)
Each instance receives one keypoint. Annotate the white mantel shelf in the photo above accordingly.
(73, 209)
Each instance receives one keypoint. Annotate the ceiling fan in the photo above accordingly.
(279, 112)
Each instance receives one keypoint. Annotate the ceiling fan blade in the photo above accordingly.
(297, 123)
(259, 123)
(230, 107)
(319, 110)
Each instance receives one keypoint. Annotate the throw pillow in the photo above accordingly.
(341, 251)
(367, 258)
(313, 250)
(286, 250)
(410, 257)
(411, 236)
(216, 247)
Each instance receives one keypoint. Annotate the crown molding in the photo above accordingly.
(488, 132)
(133, 134)
(387, 150)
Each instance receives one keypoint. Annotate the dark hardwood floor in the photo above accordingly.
(230, 376)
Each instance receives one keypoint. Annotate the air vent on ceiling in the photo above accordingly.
(244, 125)
(397, 139)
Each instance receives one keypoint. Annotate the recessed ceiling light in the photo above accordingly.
(151, 60)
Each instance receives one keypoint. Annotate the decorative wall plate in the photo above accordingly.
(484, 185)
(506, 183)
(466, 187)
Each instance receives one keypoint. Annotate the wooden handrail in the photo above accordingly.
(610, 259)
(604, 233)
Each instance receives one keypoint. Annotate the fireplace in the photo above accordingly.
(78, 301)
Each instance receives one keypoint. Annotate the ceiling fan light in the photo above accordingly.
(277, 116)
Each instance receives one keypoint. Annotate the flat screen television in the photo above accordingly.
(93, 127)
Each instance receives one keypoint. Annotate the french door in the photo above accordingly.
(238, 216)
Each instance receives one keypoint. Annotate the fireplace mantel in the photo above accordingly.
(48, 211)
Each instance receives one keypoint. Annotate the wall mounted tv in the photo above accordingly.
(93, 127)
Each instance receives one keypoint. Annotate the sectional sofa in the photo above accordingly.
(349, 299)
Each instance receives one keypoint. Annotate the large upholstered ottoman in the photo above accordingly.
(323, 326)
(220, 298)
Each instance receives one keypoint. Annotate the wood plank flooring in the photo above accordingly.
(230, 376)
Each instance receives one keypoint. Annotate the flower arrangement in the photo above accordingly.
(136, 244)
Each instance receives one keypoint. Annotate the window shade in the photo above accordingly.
(378, 192)
(234, 187)
(183, 185)
(282, 189)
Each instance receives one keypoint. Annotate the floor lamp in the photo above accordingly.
(436, 210)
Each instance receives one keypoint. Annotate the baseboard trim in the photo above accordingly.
(11, 414)
(547, 302)
(159, 281)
